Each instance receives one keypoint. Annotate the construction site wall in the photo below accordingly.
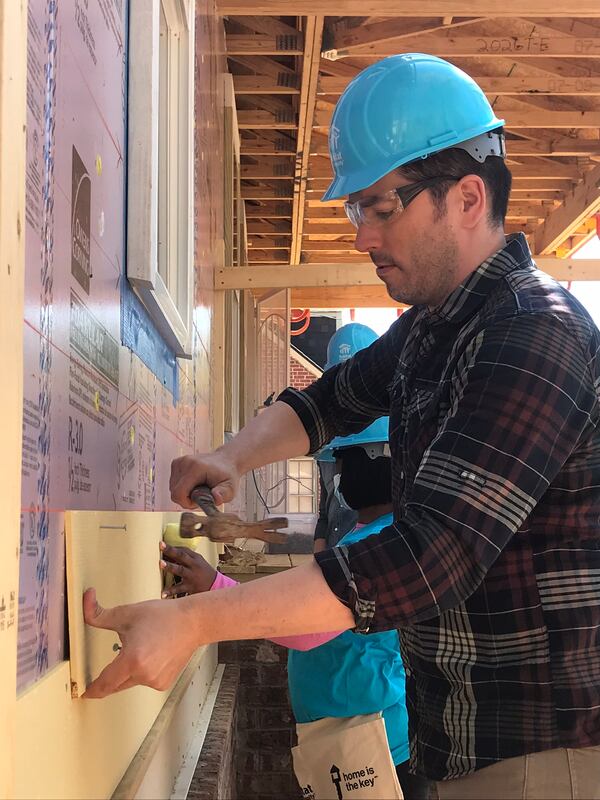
(106, 403)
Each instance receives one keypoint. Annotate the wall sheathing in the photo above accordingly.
(99, 429)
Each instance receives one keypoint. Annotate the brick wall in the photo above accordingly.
(300, 377)
(216, 771)
(265, 725)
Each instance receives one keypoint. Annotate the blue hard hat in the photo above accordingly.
(345, 343)
(403, 108)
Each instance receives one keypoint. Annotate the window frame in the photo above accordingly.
(165, 188)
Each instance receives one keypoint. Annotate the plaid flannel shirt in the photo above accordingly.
(491, 569)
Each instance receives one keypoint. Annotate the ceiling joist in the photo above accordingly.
(363, 274)
(541, 72)
(533, 85)
(413, 8)
(577, 207)
(534, 46)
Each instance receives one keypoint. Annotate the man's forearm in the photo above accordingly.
(274, 435)
(300, 597)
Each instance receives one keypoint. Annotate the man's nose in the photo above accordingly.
(368, 237)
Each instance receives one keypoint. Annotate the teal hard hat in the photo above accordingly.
(346, 342)
(403, 108)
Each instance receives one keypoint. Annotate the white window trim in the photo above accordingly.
(143, 171)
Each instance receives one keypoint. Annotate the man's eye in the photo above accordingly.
(383, 215)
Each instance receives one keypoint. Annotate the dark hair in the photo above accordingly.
(365, 481)
(458, 163)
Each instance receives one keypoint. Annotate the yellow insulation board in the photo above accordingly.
(73, 748)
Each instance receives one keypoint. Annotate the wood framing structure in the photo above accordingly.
(539, 66)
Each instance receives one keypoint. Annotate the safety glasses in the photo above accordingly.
(381, 209)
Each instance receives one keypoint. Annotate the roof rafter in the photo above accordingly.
(354, 40)
(577, 207)
(306, 112)
(258, 44)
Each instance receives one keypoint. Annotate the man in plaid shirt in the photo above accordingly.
(491, 570)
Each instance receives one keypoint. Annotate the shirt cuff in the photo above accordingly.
(222, 582)
(354, 591)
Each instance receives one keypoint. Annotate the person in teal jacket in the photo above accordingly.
(356, 674)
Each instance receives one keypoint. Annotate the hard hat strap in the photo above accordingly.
(484, 145)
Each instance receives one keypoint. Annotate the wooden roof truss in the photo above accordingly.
(539, 67)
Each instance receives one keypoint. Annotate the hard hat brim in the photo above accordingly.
(344, 185)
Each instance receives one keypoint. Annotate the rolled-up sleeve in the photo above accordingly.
(349, 397)
(522, 397)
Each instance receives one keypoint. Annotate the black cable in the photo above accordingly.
(259, 494)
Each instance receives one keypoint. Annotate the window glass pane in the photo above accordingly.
(163, 146)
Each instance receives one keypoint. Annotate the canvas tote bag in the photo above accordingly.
(345, 758)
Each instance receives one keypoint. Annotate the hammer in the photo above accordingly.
(221, 527)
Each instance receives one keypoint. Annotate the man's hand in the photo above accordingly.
(210, 469)
(196, 574)
(157, 640)
(160, 637)
(274, 435)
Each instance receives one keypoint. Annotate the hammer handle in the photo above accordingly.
(202, 496)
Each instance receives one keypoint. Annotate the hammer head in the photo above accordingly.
(229, 527)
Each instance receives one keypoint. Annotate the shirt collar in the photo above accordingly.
(467, 298)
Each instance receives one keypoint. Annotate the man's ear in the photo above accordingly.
(472, 199)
